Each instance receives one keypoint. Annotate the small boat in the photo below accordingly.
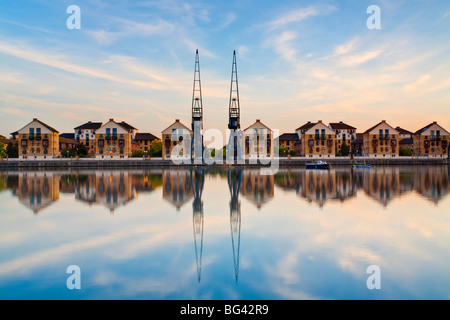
(318, 165)
(357, 166)
(361, 165)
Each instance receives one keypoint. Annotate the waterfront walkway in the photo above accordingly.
(158, 162)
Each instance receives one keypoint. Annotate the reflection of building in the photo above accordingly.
(109, 188)
(432, 182)
(257, 187)
(37, 190)
(177, 187)
(383, 183)
(319, 186)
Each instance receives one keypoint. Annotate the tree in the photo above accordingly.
(283, 151)
(155, 148)
(138, 154)
(345, 149)
(12, 150)
(67, 153)
(405, 152)
(292, 152)
(81, 150)
(2, 150)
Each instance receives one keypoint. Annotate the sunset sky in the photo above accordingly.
(297, 61)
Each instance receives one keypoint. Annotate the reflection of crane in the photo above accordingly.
(234, 111)
(197, 182)
(197, 114)
(234, 184)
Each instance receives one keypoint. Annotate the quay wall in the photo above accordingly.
(159, 163)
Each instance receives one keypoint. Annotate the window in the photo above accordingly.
(31, 133)
(381, 134)
(386, 134)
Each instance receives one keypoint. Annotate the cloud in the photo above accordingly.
(346, 47)
(293, 16)
(414, 86)
(360, 58)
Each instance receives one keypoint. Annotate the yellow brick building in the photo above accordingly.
(113, 141)
(38, 140)
(176, 134)
(381, 141)
(317, 139)
(258, 139)
(431, 141)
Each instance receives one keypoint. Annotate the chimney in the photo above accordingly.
(384, 121)
(341, 122)
(177, 120)
(111, 119)
(34, 119)
(434, 122)
(257, 120)
(320, 121)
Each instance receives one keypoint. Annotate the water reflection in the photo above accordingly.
(234, 185)
(151, 251)
(38, 190)
(382, 184)
(197, 179)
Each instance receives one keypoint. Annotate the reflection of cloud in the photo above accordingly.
(355, 259)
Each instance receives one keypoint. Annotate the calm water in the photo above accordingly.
(182, 234)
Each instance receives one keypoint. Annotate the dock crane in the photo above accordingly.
(234, 112)
(197, 146)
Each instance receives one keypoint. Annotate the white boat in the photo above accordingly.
(318, 165)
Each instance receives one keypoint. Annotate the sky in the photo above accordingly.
(297, 61)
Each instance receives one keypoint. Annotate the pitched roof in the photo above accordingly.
(379, 123)
(341, 126)
(177, 121)
(406, 141)
(67, 135)
(288, 137)
(42, 123)
(89, 126)
(144, 136)
(256, 122)
(403, 131)
(306, 126)
(126, 125)
(426, 127)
